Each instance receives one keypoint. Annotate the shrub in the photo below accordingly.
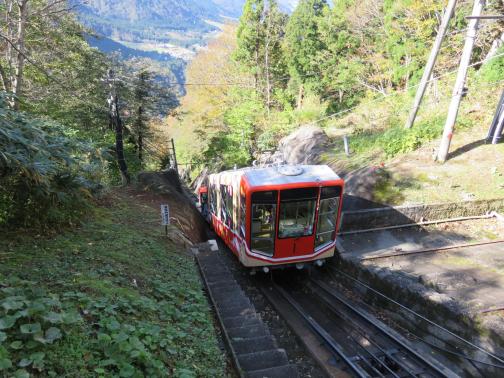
(47, 176)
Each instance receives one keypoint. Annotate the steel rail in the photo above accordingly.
(365, 335)
(382, 329)
(418, 224)
(431, 250)
(328, 339)
(374, 356)
(501, 360)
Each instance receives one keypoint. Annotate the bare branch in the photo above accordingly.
(379, 90)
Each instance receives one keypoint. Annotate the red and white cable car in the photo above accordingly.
(277, 215)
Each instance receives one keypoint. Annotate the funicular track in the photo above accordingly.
(355, 342)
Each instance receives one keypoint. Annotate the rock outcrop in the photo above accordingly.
(303, 146)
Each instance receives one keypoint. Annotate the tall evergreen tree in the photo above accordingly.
(303, 42)
(260, 35)
(249, 36)
(274, 68)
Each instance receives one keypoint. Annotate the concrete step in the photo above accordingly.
(285, 371)
(221, 281)
(246, 322)
(219, 278)
(212, 271)
(239, 321)
(263, 360)
(227, 312)
(233, 301)
(226, 293)
(254, 344)
(248, 332)
(223, 286)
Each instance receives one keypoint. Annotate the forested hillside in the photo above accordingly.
(60, 124)
(351, 68)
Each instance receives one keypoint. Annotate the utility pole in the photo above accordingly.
(458, 89)
(431, 62)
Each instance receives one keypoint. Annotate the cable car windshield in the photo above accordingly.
(328, 215)
(297, 212)
(264, 206)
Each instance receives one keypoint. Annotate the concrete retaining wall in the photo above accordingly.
(392, 216)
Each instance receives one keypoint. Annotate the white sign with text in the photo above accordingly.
(165, 215)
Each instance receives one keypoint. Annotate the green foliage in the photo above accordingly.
(235, 143)
(31, 321)
(259, 46)
(493, 71)
(47, 176)
(110, 299)
(249, 35)
(303, 40)
(398, 140)
(74, 94)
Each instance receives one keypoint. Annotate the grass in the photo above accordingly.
(112, 298)
(377, 138)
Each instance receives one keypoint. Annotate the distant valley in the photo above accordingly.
(168, 32)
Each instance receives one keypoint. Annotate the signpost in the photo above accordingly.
(165, 217)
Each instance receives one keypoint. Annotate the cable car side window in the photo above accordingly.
(227, 205)
(297, 212)
(328, 215)
(211, 198)
(243, 210)
(264, 207)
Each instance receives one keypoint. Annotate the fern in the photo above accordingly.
(47, 176)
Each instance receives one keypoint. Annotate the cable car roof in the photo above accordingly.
(288, 174)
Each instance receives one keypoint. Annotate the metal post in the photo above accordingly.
(498, 129)
(495, 121)
(458, 89)
(431, 62)
(347, 148)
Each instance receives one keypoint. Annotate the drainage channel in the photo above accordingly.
(253, 349)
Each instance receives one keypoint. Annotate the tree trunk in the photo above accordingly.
(5, 81)
(496, 45)
(300, 97)
(266, 62)
(20, 60)
(140, 133)
(121, 161)
(140, 147)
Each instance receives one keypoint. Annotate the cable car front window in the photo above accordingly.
(263, 222)
(328, 215)
(297, 212)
